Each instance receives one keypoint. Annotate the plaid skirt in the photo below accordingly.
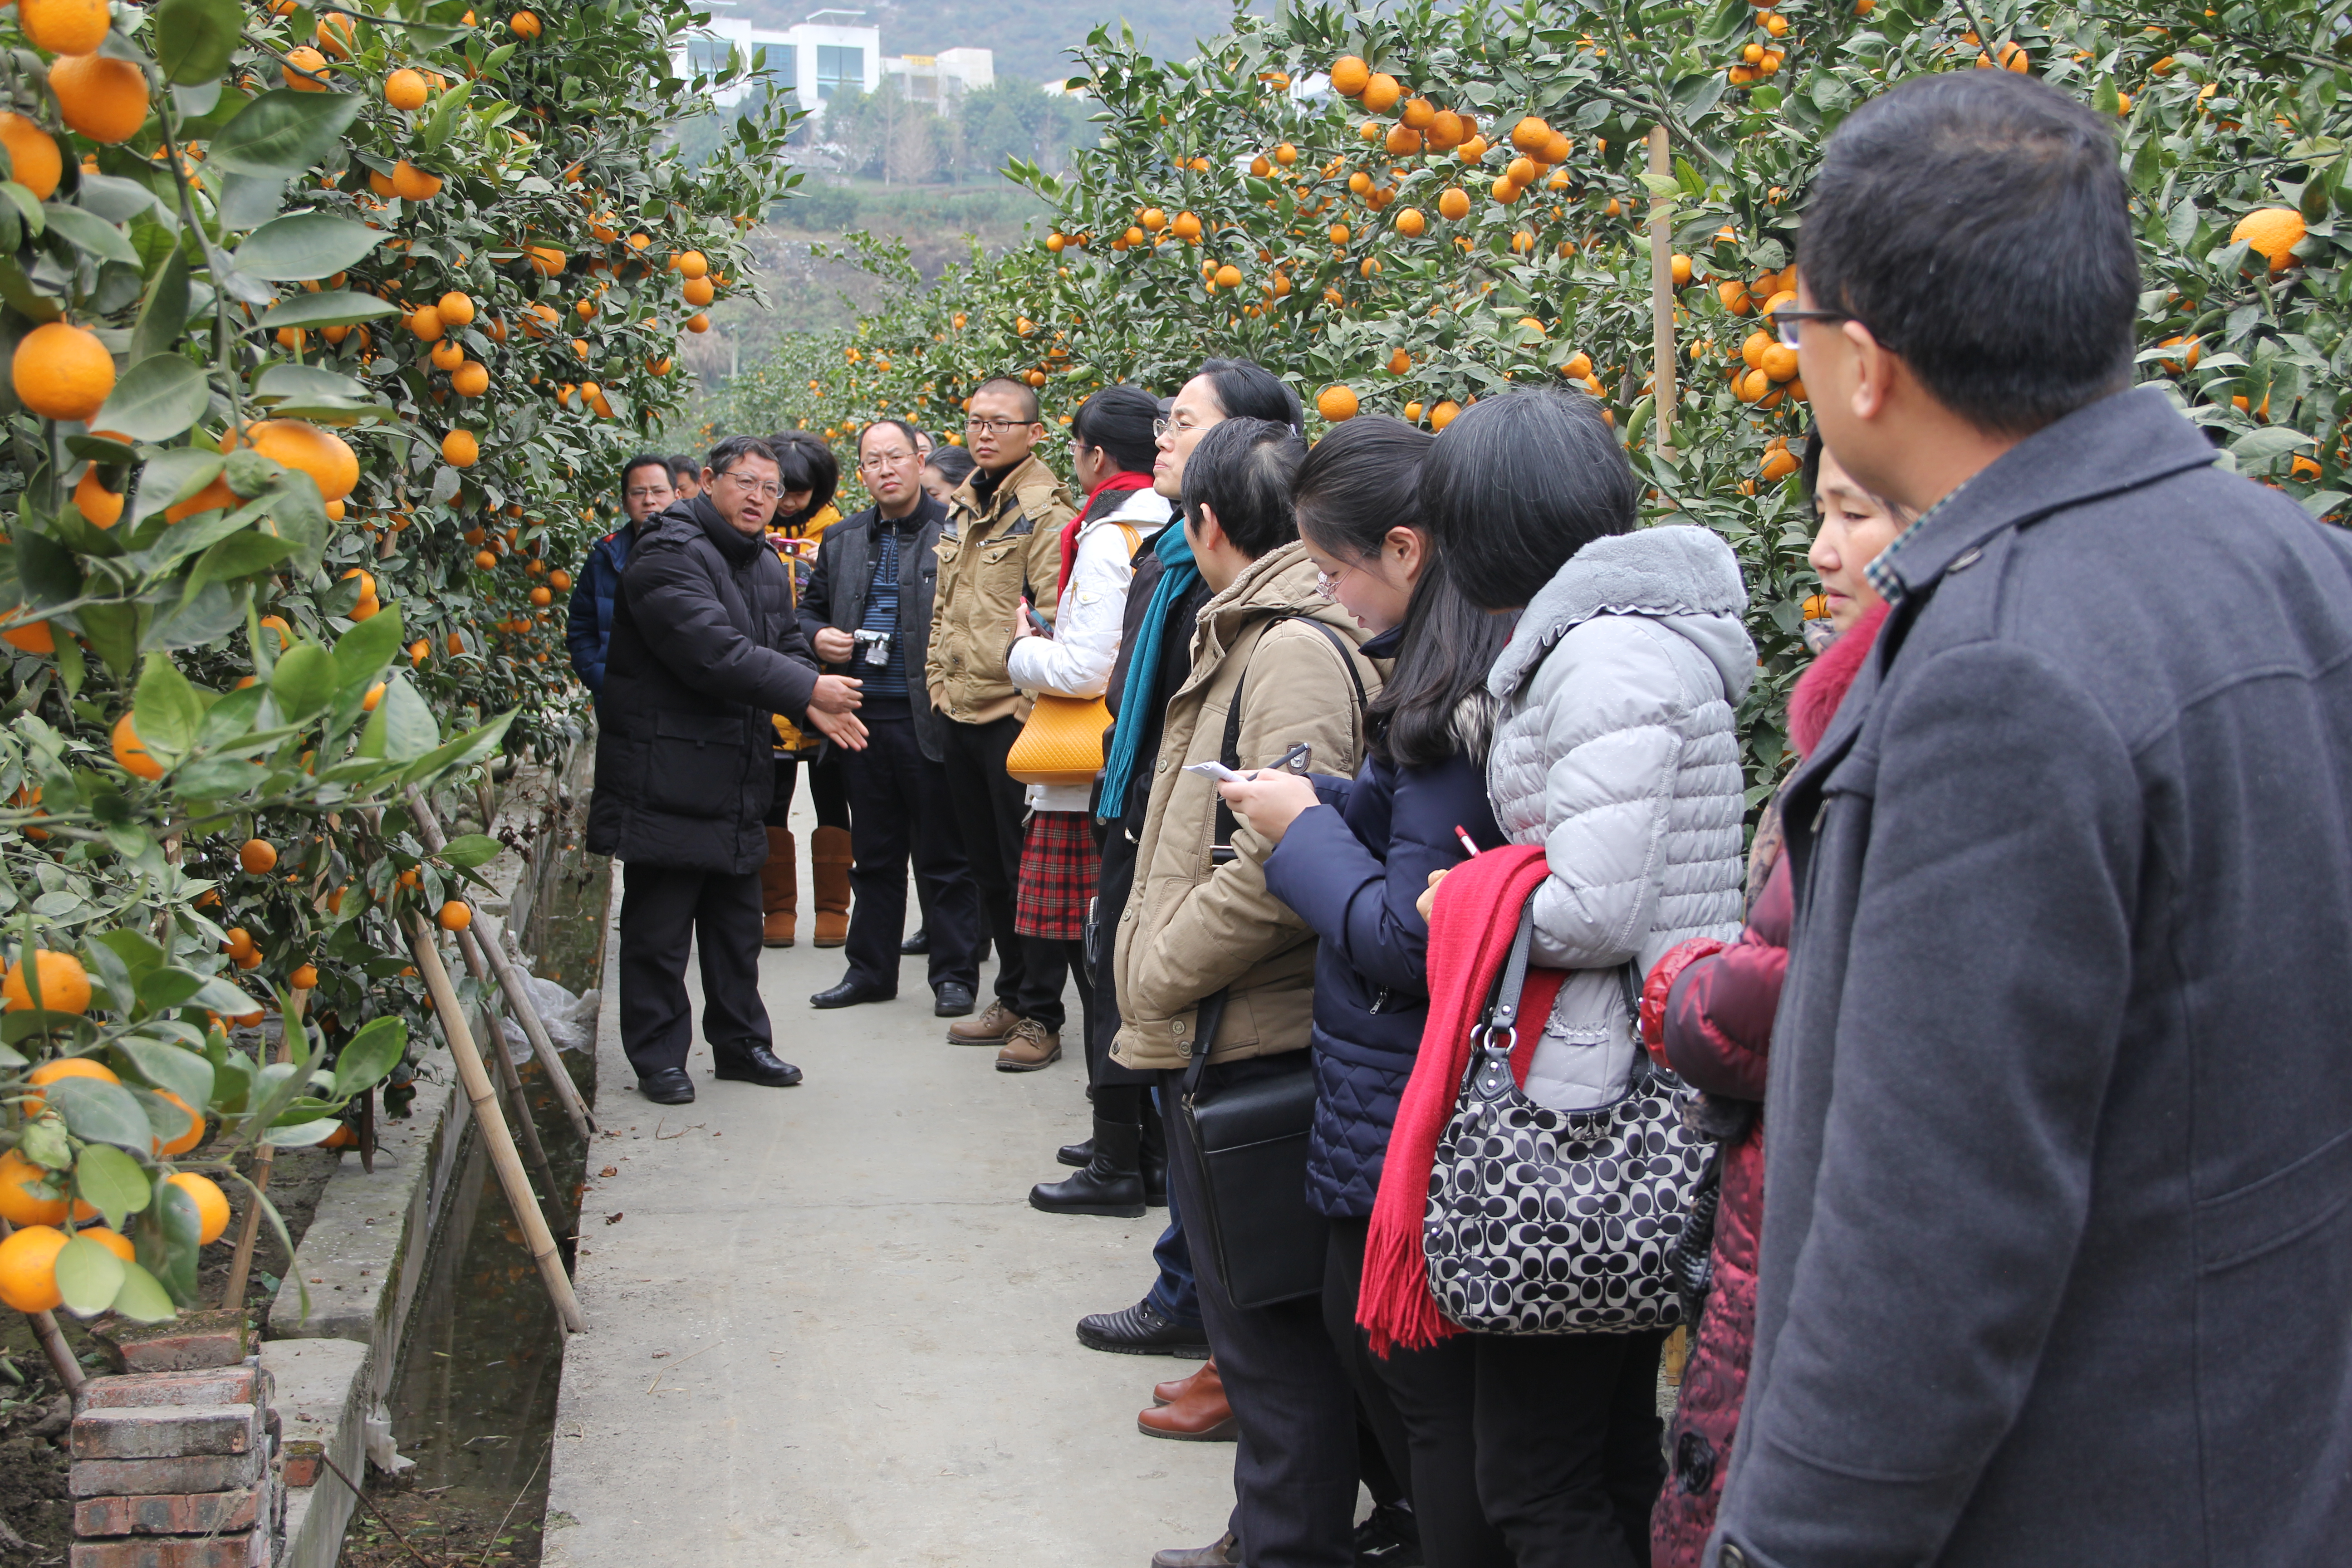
(1059, 867)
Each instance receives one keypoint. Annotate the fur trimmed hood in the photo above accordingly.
(1683, 577)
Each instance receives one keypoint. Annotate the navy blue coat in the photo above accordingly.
(1354, 872)
(588, 629)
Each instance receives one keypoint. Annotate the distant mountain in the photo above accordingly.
(1028, 36)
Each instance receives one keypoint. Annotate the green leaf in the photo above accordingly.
(240, 555)
(221, 996)
(410, 730)
(143, 1298)
(302, 1134)
(305, 245)
(304, 681)
(203, 619)
(2268, 444)
(362, 653)
(168, 1067)
(282, 383)
(161, 990)
(114, 631)
(158, 398)
(194, 38)
(89, 232)
(170, 477)
(471, 849)
(374, 1051)
(178, 1226)
(110, 1182)
(283, 132)
(444, 115)
(166, 710)
(101, 1112)
(89, 1277)
(462, 753)
(329, 308)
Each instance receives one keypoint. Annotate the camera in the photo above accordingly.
(872, 647)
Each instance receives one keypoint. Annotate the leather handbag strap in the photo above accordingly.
(1207, 1015)
(1221, 847)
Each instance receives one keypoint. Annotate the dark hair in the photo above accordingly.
(1117, 419)
(1517, 484)
(1247, 390)
(1975, 222)
(1244, 469)
(682, 464)
(735, 448)
(1809, 465)
(1015, 383)
(818, 471)
(648, 460)
(1357, 483)
(898, 424)
(953, 462)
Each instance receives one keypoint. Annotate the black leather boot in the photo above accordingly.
(1080, 1155)
(1111, 1186)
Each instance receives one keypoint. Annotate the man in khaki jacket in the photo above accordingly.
(1003, 545)
(1201, 921)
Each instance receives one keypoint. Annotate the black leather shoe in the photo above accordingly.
(1091, 1192)
(1155, 1183)
(917, 943)
(761, 1065)
(1078, 1154)
(954, 1000)
(1142, 1330)
(666, 1086)
(1390, 1537)
(851, 992)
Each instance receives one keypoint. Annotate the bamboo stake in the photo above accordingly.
(1661, 303)
(241, 1261)
(495, 1135)
(519, 1001)
(52, 1340)
(526, 1125)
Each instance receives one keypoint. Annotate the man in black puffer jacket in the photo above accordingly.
(705, 648)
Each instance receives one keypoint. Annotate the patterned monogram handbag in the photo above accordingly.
(1558, 1221)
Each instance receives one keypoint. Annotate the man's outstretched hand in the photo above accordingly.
(844, 729)
(835, 694)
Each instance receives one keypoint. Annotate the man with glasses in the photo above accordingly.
(646, 488)
(867, 612)
(1002, 548)
(705, 648)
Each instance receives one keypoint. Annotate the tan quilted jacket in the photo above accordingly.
(991, 557)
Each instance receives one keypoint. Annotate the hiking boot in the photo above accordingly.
(989, 1030)
(1029, 1047)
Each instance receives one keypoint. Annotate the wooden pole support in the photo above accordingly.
(511, 1081)
(1662, 301)
(567, 1093)
(240, 1262)
(496, 1137)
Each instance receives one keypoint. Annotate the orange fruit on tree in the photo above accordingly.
(303, 66)
(457, 308)
(524, 24)
(1454, 204)
(405, 90)
(1410, 223)
(470, 380)
(459, 449)
(699, 291)
(303, 447)
(694, 264)
(64, 984)
(2272, 233)
(1679, 269)
(101, 506)
(1779, 464)
(131, 753)
(1381, 92)
(484, 560)
(103, 97)
(256, 855)
(49, 1072)
(180, 1143)
(1443, 415)
(541, 596)
(697, 322)
(63, 27)
(19, 1205)
(374, 696)
(1418, 113)
(1399, 363)
(211, 1206)
(114, 1241)
(456, 915)
(447, 354)
(411, 184)
(1734, 295)
(28, 1269)
(62, 372)
(335, 35)
(33, 637)
(306, 975)
(32, 154)
(1779, 362)
(1350, 76)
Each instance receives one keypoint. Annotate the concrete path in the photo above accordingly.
(825, 1326)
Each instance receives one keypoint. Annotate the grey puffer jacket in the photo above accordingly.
(1615, 751)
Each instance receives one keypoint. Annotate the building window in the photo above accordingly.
(838, 67)
(707, 55)
(784, 65)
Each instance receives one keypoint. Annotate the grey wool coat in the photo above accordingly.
(1615, 750)
(2056, 1263)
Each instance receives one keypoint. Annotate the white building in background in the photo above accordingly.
(811, 59)
(939, 80)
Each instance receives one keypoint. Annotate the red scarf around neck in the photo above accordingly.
(1126, 479)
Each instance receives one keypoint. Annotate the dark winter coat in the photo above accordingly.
(1354, 872)
(2058, 1216)
(705, 648)
(588, 625)
(844, 576)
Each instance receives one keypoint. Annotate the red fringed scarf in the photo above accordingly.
(1123, 480)
(1470, 932)
(1823, 685)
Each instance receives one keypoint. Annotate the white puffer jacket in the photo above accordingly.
(1615, 751)
(1076, 661)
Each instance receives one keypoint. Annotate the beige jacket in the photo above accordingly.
(991, 557)
(1192, 926)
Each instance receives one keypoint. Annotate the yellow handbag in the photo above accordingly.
(1062, 744)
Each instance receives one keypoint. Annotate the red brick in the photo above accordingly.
(223, 1385)
(201, 1514)
(191, 1342)
(164, 1432)
(166, 1552)
(147, 1478)
(302, 1465)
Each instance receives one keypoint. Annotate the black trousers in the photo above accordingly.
(1420, 1405)
(1295, 1465)
(1568, 1458)
(1118, 1092)
(991, 809)
(665, 910)
(903, 805)
(828, 789)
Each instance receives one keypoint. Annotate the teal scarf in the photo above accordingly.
(1141, 696)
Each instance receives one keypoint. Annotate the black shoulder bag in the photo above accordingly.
(1249, 1141)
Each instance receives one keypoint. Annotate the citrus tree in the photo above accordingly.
(1405, 208)
(327, 333)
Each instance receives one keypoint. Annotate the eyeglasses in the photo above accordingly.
(752, 487)
(647, 493)
(1327, 583)
(1788, 321)
(886, 460)
(1001, 426)
(1163, 427)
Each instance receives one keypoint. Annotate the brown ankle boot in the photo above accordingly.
(829, 857)
(779, 887)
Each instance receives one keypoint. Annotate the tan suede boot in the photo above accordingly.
(829, 859)
(779, 887)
